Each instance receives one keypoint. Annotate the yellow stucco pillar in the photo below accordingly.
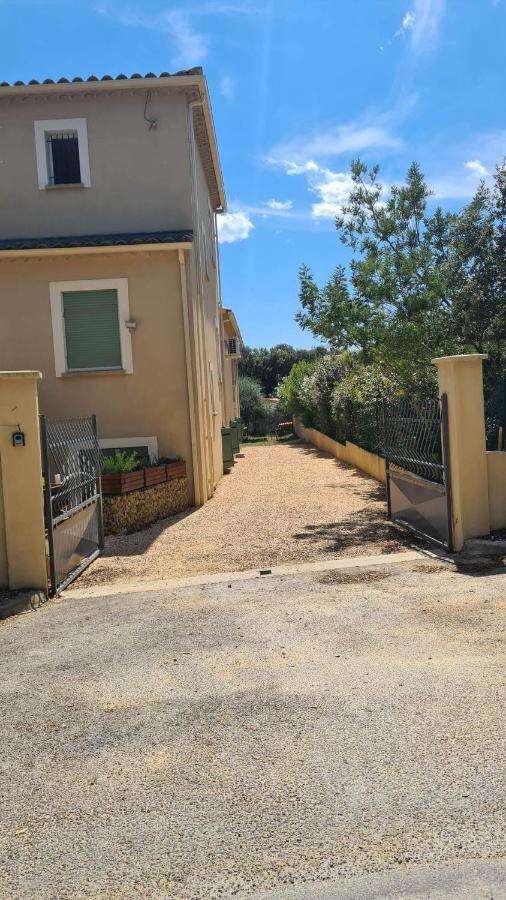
(24, 545)
(461, 379)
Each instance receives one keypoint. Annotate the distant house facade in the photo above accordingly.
(232, 346)
(109, 274)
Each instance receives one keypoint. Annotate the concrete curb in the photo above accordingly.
(353, 562)
(460, 880)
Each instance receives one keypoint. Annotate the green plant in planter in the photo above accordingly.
(120, 463)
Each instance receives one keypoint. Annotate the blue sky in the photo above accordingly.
(299, 88)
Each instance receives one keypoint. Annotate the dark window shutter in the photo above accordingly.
(64, 149)
(92, 338)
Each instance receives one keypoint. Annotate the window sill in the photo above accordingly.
(78, 373)
(63, 187)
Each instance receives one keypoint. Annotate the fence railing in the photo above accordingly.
(361, 425)
(495, 412)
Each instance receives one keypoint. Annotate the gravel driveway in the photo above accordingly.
(280, 503)
(219, 741)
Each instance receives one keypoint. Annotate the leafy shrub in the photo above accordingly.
(253, 410)
(120, 463)
(341, 397)
(317, 390)
(290, 393)
(357, 405)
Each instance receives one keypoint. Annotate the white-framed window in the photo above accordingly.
(89, 320)
(143, 445)
(61, 150)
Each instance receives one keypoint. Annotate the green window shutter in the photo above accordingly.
(91, 322)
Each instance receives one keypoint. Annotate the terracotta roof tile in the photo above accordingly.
(197, 70)
(97, 240)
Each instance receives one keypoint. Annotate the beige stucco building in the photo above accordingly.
(232, 344)
(109, 270)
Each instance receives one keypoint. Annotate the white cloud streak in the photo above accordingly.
(234, 226)
(327, 143)
(191, 45)
(427, 18)
(408, 21)
(280, 205)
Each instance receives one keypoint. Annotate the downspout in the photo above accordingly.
(224, 417)
(200, 356)
(189, 375)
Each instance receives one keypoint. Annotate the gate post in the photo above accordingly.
(461, 379)
(24, 542)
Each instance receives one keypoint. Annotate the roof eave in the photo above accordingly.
(102, 248)
(208, 115)
(109, 84)
(230, 315)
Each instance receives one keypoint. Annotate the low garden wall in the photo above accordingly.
(496, 467)
(370, 463)
(140, 508)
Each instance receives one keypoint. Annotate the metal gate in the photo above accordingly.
(418, 467)
(71, 464)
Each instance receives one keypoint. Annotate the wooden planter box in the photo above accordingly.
(122, 484)
(133, 481)
(176, 469)
(155, 475)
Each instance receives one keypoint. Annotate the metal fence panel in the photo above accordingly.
(418, 467)
(72, 465)
(412, 436)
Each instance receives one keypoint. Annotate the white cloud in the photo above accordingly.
(292, 168)
(333, 190)
(280, 204)
(190, 46)
(422, 23)
(408, 21)
(234, 226)
(227, 87)
(477, 168)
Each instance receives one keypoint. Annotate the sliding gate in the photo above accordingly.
(71, 464)
(418, 467)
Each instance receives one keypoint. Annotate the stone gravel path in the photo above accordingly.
(213, 741)
(281, 503)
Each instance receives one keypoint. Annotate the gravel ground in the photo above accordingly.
(281, 503)
(219, 741)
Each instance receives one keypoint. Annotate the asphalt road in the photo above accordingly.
(319, 735)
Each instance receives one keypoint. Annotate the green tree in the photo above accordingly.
(269, 367)
(477, 274)
(392, 302)
(253, 412)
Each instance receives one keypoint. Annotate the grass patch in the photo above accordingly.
(268, 439)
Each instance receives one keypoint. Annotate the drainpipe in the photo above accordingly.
(189, 374)
(202, 383)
